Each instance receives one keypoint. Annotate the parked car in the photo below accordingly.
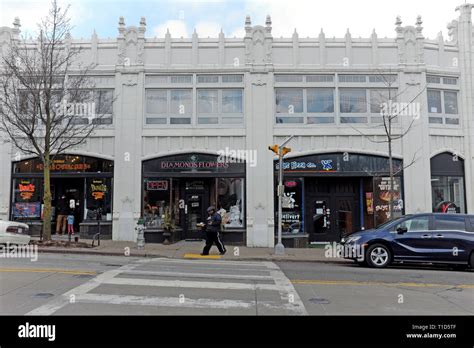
(419, 238)
(12, 232)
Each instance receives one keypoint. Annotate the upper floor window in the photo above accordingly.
(445, 80)
(353, 100)
(84, 106)
(353, 78)
(168, 106)
(443, 106)
(220, 106)
(304, 105)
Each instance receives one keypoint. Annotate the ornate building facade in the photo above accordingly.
(179, 104)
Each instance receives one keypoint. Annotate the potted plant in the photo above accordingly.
(168, 226)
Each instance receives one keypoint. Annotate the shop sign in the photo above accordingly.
(448, 208)
(193, 165)
(325, 165)
(26, 189)
(369, 200)
(98, 189)
(27, 210)
(64, 166)
(382, 198)
(157, 185)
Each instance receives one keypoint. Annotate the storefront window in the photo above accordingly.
(447, 183)
(98, 198)
(26, 199)
(230, 198)
(448, 194)
(292, 206)
(381, 199)
(156, 197)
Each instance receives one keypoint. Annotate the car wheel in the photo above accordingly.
(471, 260)
(379, 256)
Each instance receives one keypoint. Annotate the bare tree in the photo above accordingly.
(391, 110)
(47, 97)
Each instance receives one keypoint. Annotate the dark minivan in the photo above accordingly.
(423, 238)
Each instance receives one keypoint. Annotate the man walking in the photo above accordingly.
(212, 228)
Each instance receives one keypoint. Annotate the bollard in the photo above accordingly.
(140, 228)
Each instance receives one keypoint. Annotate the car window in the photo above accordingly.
(450, 222)
(420, 223)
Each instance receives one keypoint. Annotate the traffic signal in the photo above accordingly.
(274, 148)
(285, 150)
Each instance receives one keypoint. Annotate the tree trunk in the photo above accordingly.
(47, 210)
(391, 191)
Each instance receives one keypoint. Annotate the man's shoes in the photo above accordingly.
(223, 253)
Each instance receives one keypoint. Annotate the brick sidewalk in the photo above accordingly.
(184, 249)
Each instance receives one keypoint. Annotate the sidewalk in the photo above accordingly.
(191, 250)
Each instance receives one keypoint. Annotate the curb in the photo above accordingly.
(145, 255)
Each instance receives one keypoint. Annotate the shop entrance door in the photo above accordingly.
(73, 189)
(195, 211)
(331, 208)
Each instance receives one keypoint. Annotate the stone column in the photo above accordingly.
(466, 65)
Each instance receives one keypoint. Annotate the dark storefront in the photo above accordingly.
(447, 184)
(85, 181)
(331, 195)
(180, 188)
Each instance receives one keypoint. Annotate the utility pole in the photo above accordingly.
(280, 151)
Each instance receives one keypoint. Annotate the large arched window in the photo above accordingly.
(447, 183)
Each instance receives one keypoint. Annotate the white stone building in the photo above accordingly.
(182, 102)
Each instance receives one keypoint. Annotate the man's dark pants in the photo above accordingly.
(211, 238)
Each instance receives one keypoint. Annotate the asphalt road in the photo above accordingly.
(87, 285)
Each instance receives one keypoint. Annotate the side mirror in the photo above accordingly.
(402, 230)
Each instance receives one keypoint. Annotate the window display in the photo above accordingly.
(230, 193)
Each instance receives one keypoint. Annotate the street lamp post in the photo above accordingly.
(281, 151)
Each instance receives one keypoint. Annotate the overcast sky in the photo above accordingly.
(208, 17)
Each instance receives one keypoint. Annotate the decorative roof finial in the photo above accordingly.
(16, 23)
(419, 22)
(248, 22)
(398, 21)
(268, 21)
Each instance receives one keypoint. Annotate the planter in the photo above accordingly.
(154, 235)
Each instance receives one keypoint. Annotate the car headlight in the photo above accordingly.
(353, 239)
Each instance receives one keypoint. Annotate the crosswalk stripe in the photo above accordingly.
(286, 289)
(175, 302)
(63, 300)
(163, 301)
(221, 262)
(200, 275)
(188, 284)
(198, 256)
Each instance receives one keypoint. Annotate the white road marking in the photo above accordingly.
(164, 301)
(200, 275)
(286, 288)
(256, 265)
(282, 285)
(64, 299)
(188, 284)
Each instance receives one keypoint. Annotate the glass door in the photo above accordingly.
(195, 213)
(344, 217)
